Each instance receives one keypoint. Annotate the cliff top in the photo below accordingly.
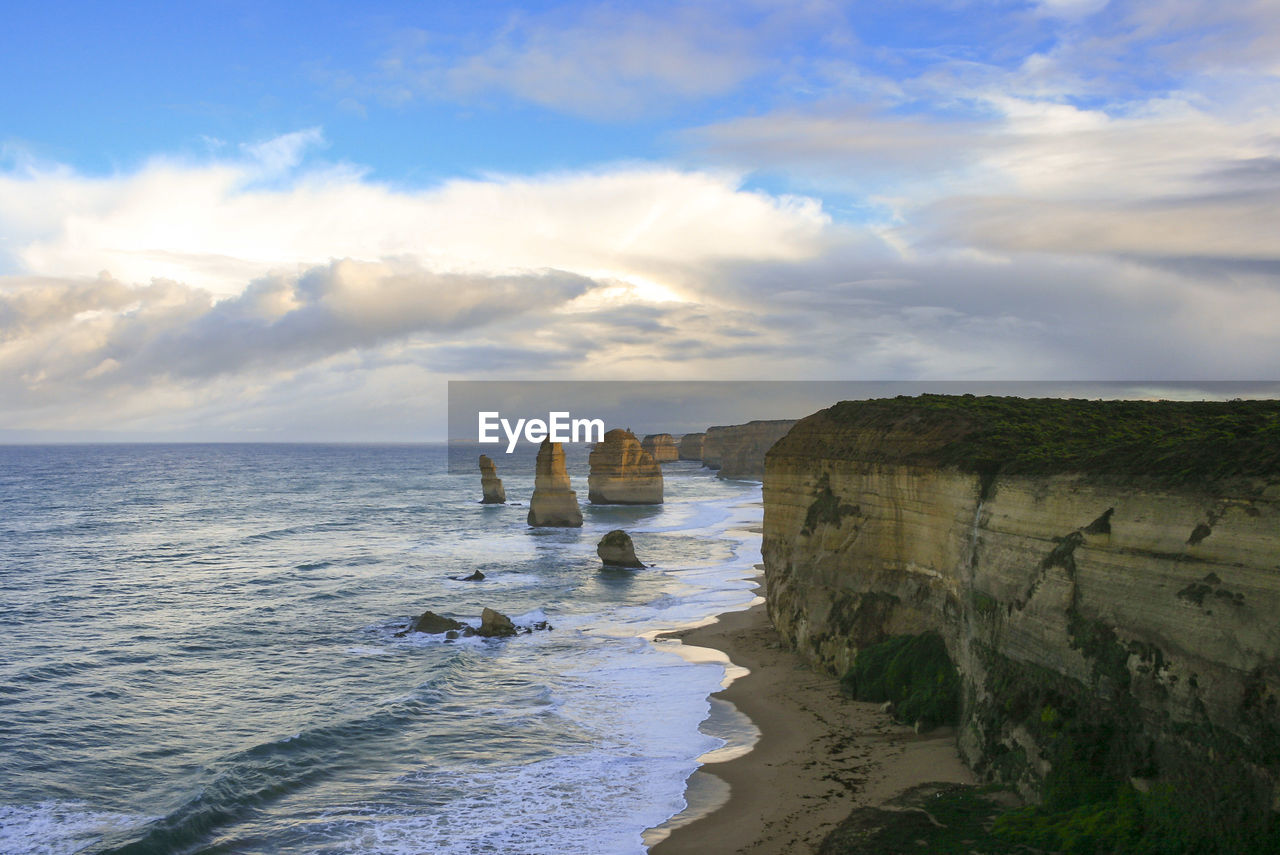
(1172, 441)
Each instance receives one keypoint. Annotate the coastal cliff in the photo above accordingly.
(1105, 575)
(737, 451)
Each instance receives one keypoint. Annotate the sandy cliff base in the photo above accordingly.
(819, 756)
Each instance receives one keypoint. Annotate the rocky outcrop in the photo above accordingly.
(623, 473)
(616, 550)
(495, 624)
(433, 624)
(737, 451)
(553, 503)
(661, 447)
(1093, 567)
(490, 483)
(691, 446)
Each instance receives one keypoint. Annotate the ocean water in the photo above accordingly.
(198, 654)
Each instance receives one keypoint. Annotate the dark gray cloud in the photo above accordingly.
(63, 337)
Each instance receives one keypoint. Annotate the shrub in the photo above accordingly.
(912, 671)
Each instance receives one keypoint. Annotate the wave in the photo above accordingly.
(248, 780)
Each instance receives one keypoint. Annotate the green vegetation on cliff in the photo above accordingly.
(1172, 441)
(913, 672)
(959, 820)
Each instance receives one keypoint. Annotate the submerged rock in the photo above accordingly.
(553, 503)
(490, 483)
(474, 577)
(623, 473)
(495, 625)
(661, 447)
(616, 550)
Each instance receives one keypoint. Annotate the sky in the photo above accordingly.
(265, 221)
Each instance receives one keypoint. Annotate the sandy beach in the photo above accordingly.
(819, 754)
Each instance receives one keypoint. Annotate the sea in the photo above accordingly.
(200, 653)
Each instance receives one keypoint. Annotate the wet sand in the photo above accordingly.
(819, 754)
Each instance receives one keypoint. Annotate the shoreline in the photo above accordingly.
(819, 754)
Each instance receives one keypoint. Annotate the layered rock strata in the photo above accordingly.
(616, 550)
(490, 483)
(1079, 592)
(691, 446)
(737, 451)
(623, 473)
(661, 447)
(553, 503)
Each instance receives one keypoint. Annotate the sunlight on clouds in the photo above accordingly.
(620, 290)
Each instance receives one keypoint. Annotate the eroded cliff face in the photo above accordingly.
(738, 450)
(661, 447)
(1145, 611)
(691, 446)
(553, 502)
(622, 472)
(490, 483)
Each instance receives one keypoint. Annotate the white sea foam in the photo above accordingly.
(58, 828)
(597, 802)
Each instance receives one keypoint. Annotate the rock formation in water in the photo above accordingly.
(616, 550)
(1105, 575)
(737, 451)
(490, 483)
(623, 473)
(661, 447)
(691, 446)
(495, 624)
(433, 624)
(553, 503)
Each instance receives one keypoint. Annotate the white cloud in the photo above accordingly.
(605, 60)
(612, 62)
(215, 226)
(282, 153)
(1071, 8)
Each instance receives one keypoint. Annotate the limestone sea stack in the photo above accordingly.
(691, 446)
(553, 503)
(616, 550)
(661, 447)
(490, 483)
(623, 473)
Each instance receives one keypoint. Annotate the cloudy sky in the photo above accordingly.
(241, 220)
